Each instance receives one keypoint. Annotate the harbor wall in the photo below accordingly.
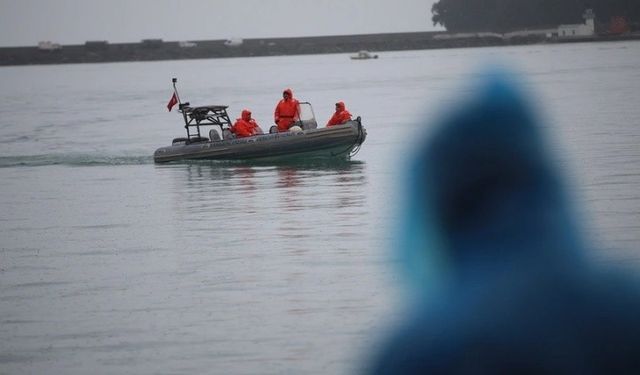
(156, 49)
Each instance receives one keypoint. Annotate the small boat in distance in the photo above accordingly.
(363, 55)
(209, 138)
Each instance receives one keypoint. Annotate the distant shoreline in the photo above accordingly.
(157, 49)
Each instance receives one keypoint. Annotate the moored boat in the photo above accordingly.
(363, 55)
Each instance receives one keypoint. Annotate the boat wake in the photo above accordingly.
(72, 159)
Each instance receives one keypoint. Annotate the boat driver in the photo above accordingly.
(287, 111)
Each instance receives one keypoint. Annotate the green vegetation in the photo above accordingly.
(509, 15)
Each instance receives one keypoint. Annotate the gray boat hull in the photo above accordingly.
(332, 142)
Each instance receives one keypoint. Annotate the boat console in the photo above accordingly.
(204, 116)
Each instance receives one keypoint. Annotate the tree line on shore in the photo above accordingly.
(510, 15)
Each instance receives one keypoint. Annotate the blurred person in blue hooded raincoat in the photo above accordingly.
(498, 268)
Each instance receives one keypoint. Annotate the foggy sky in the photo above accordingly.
(26, 22)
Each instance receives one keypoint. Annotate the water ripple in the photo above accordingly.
(72, 160)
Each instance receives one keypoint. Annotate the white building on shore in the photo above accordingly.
(586, 29)
(48, 46)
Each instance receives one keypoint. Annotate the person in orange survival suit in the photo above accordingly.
(287, 111)
(340, 116)
(245, 126)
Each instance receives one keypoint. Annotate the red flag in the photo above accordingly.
(172, 101)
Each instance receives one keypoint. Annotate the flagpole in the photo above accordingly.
(175, 90)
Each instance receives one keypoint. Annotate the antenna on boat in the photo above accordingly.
(175, 90)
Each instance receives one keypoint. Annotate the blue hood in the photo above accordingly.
(491, 246)
(484, 194)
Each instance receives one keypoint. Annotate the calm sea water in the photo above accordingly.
(112, 264)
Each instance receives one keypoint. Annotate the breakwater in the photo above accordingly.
(156, 49)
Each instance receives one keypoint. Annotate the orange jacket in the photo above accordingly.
(287, 112)
(340, 116)
(245, 126)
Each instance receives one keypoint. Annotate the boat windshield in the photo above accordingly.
(307, 117)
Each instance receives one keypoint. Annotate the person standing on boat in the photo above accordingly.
(245, 126)
(340, 116)
(287, 111)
